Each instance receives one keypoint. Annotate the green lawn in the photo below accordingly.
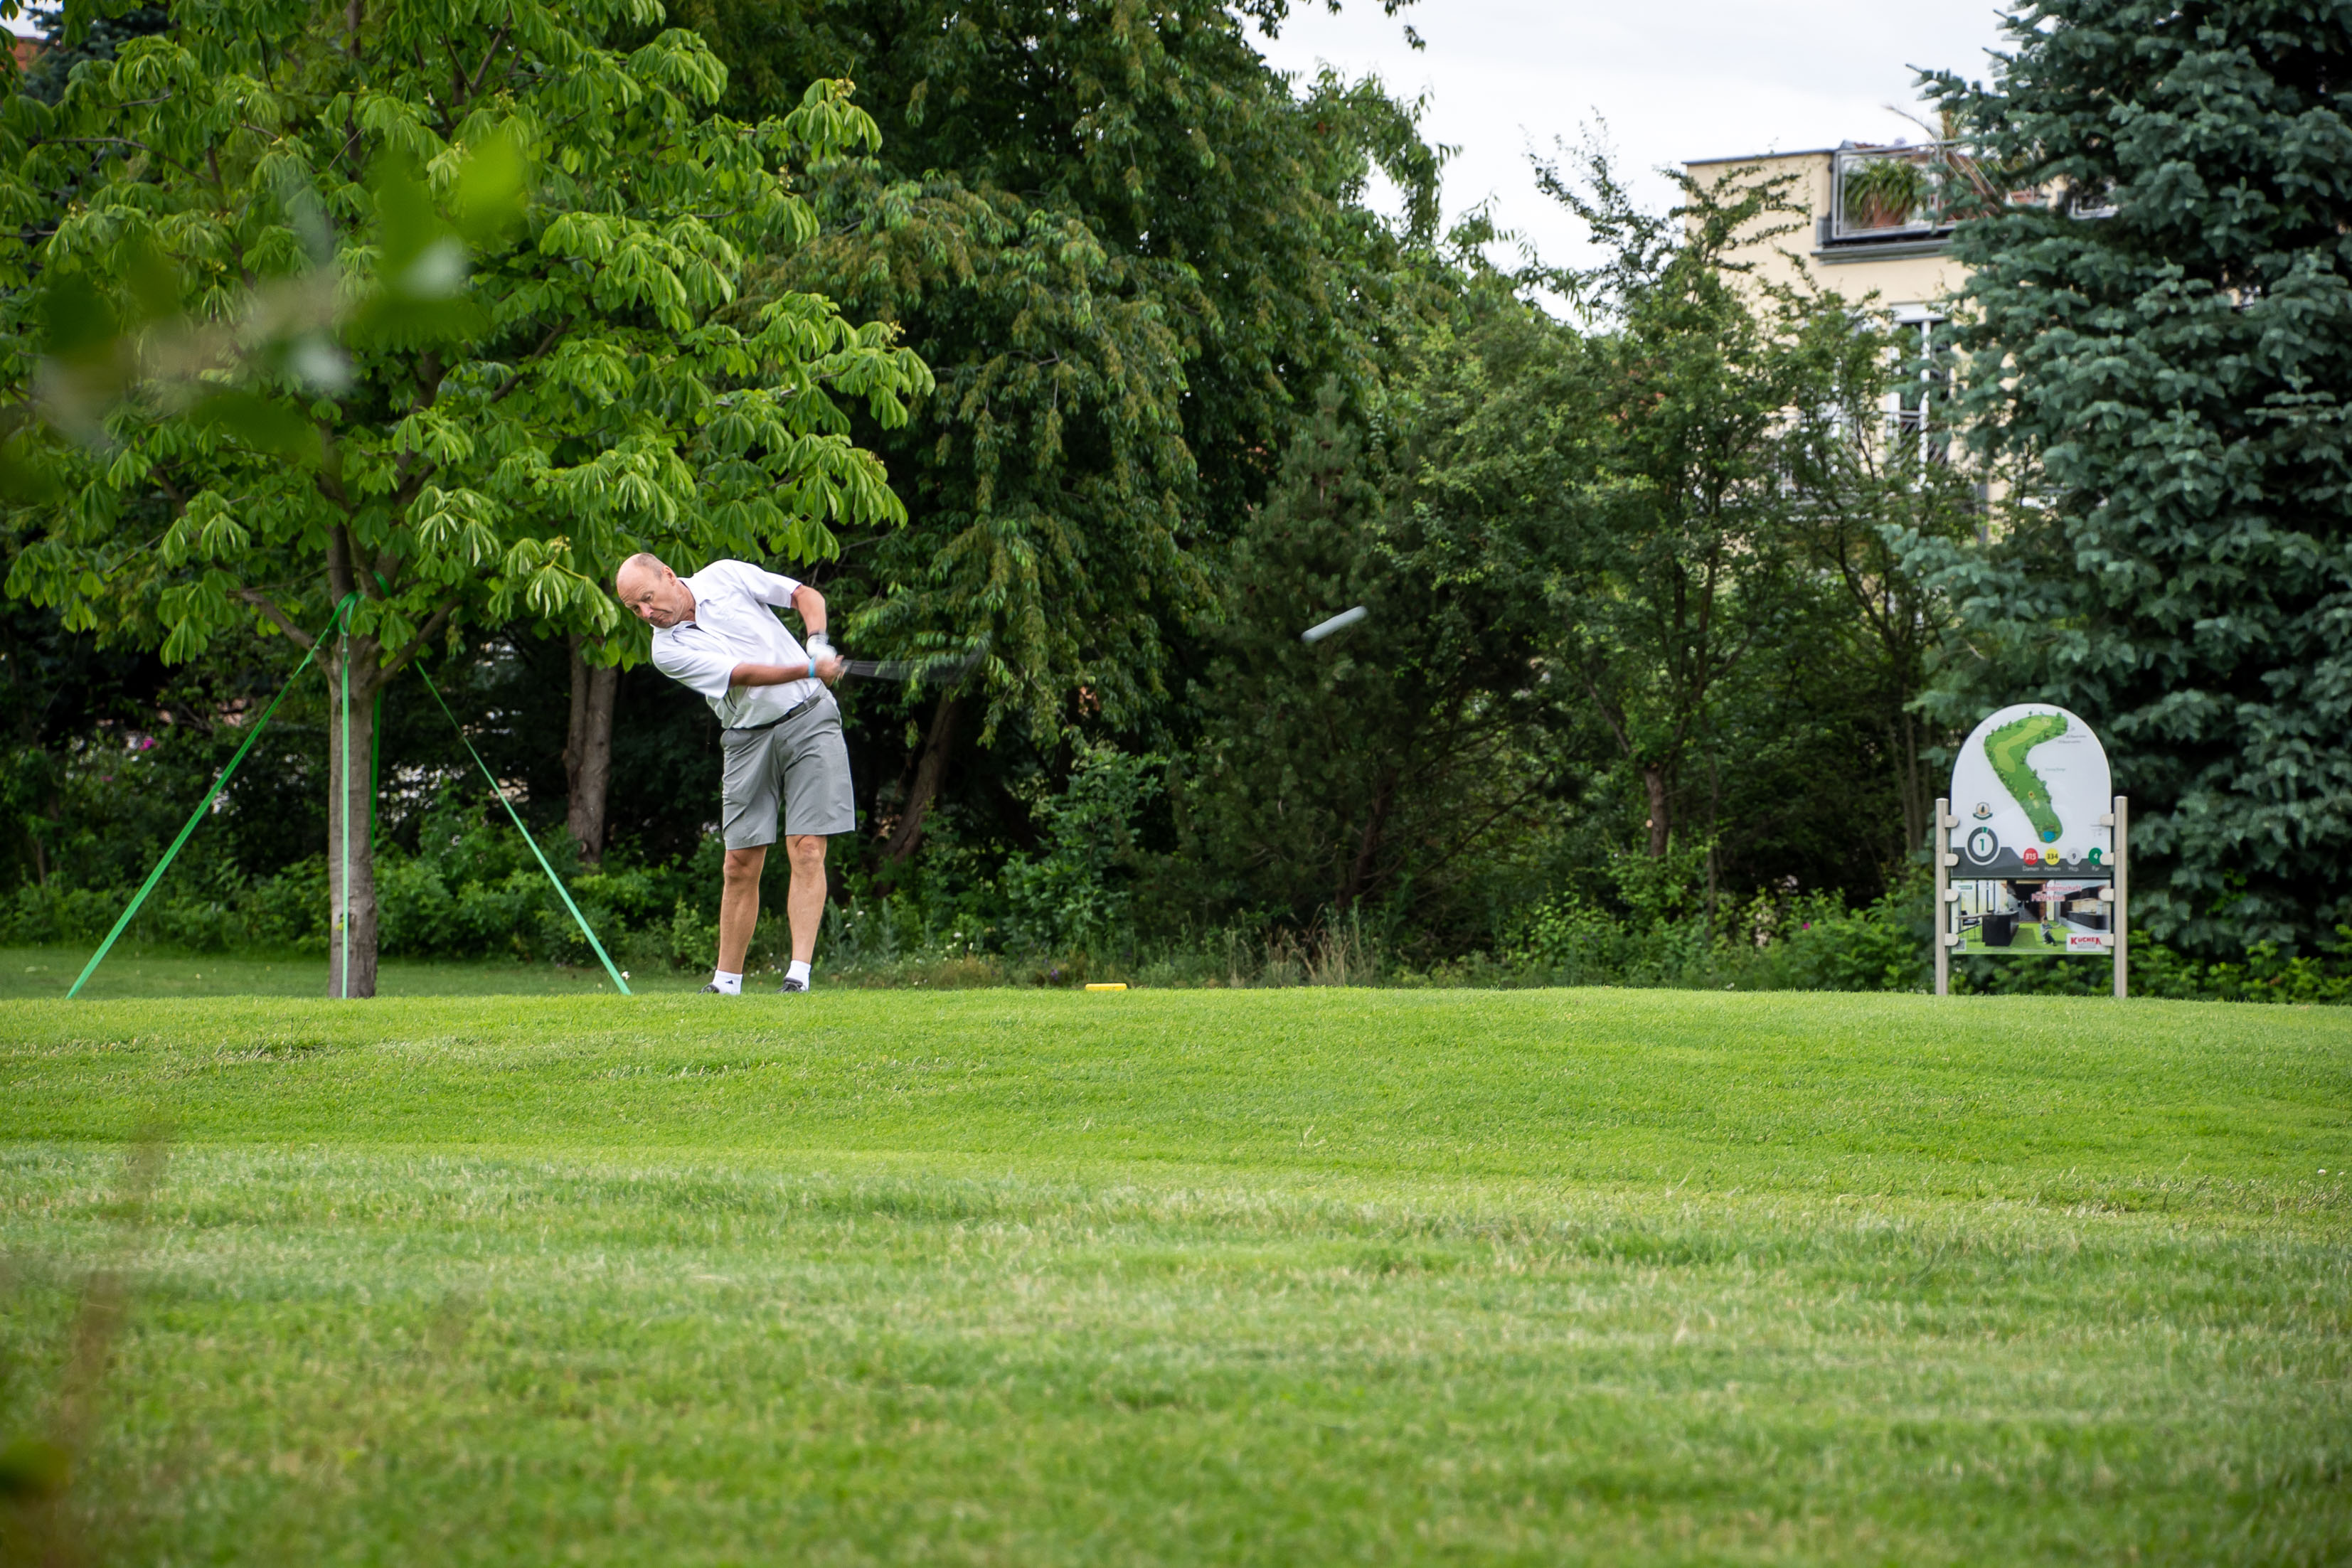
(132, 971)
(1263, 1276)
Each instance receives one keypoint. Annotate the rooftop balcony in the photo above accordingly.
(1903, 200)
(1893, 195)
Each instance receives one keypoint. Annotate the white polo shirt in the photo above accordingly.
(733, 625)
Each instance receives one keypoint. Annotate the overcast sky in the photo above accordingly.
(1673, 79)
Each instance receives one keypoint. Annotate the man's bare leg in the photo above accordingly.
(805, 905)
(738, 905)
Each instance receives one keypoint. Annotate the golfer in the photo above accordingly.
(717, 632)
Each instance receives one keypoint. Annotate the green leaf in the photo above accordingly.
(81, 321)
(494, 188)
(262, 422)
(26, 478)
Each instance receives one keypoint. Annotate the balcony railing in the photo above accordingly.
(1889, 193)
(1899, 195)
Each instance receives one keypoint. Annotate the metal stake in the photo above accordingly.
(343, 900)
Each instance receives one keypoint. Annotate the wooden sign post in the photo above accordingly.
(1947, 897)
(2119, 890)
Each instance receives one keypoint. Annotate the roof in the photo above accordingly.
(1761, 157)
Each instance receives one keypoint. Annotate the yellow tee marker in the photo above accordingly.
(1106, 985)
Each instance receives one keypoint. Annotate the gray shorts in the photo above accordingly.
(800, 765)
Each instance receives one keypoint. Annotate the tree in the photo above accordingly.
(421, 310)
(1876, 489)
(1395, 761)
(1630, 481)
(1685, 500)
(57, 690)
(1131, 254)
(88, 37)
(2165, 345)
(588, 748)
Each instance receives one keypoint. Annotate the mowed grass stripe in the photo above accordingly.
(1219, 1279)
(1994, 1095)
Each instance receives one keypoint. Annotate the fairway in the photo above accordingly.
(1226, 1277)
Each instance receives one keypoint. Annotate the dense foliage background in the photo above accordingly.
(1668, 632)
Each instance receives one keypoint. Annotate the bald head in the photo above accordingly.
(638, 566)
(652, 591)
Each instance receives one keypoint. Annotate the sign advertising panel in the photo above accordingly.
(2031, 790)
(2035, 840)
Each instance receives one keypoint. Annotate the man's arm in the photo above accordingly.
(811, 605)
(825, 670)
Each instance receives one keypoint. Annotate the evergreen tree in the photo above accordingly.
(2166, 344)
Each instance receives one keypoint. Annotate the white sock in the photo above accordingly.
(732, 985)
(797, 971)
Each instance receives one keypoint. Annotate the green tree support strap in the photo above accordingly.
(207, 803)
(560, 891)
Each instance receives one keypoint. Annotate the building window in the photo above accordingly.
(1918, 413)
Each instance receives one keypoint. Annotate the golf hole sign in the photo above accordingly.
(2029, 847)
(2033, 796)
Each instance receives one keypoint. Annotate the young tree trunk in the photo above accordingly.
(1653, 780)
(588, 752)
(349, 816)
(1913, 788)
(1714, 834)
(1368, 844)
(929, 776)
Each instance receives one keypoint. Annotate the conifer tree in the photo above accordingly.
(2164, 343)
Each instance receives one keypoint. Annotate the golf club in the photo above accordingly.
(939, 672)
